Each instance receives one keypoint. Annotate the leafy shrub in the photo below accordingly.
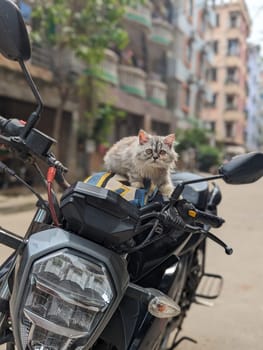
(208, 157)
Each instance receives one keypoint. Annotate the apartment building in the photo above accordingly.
(189, 59)
(159, 80)
(225, 115)
(260, 120)
(166, 84)
(253, 108)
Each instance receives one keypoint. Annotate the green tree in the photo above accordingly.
(197, 138)
(83, 28)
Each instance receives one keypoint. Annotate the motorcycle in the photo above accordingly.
(93, 270)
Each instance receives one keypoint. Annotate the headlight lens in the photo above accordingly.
(67, 297)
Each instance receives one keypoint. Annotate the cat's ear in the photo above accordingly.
(143, 137)
(169, 140)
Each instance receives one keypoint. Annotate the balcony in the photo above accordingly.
(140, 14)
(132, 80)
(107, 69)
(157, 92)
(40, 56)
(161, 32)
(208, 95)
(67, 63)
(211, 17)
(209, 54)
(181, 71)
(184, 26)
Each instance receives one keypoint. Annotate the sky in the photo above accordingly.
(255, 8)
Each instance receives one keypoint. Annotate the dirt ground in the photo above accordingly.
(236, 320)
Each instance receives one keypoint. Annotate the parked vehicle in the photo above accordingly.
(93, 271)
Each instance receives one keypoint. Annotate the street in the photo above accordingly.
(236, 320)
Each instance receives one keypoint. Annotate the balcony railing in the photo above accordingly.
(211, 17)
(184, 25)
(208, 96)
(108, 68)
(157, 92)
(132, 80)
(140, 14)
(181, 72)
(161, 32)
(40, 56)
(64, 61)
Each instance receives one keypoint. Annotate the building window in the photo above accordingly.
(201, 64)
(213, 102)
(191, 7)
(217, 20)
(187, 97)
(232, 75)
(203, 23)
(214, 45)
(189, 50)
(234, 19)
(211, 126)
(233, 47)
(230, 101)
(229, 129)
(213, 74)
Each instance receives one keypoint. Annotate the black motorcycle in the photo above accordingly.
(94, 271)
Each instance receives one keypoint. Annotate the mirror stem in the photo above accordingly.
(32, 120)
(203, 179)
(181, 185)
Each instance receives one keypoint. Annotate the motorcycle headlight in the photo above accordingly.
(67, 297)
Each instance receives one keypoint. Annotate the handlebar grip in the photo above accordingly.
(208, 219)
(11, 127)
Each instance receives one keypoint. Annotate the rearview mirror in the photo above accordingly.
(14, 41)
(243, 169)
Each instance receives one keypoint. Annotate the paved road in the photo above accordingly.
(236, 320)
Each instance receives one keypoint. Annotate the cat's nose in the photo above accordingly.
(155, 157)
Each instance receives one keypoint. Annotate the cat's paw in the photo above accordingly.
(166, 190)
(137, 184)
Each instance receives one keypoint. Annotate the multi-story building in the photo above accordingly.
(158, 80)
(253, 108)
(189, 59)
(260, 126)
(226, 116)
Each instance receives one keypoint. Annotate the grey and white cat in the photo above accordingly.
(144, 156)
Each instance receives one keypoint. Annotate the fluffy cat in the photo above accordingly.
(144, 156)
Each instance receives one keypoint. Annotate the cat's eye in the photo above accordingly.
(162, 152)
(148, 151)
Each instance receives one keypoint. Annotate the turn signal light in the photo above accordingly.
(163, 307)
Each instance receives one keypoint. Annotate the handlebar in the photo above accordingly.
(36, 143)
(190, 213)
(11, 127)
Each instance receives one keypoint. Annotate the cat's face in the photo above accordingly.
(157, 151)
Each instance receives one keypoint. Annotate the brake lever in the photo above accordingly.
(214, 238)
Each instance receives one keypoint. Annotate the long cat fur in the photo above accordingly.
(131, 157)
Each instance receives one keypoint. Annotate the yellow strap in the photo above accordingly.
(103, 178)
